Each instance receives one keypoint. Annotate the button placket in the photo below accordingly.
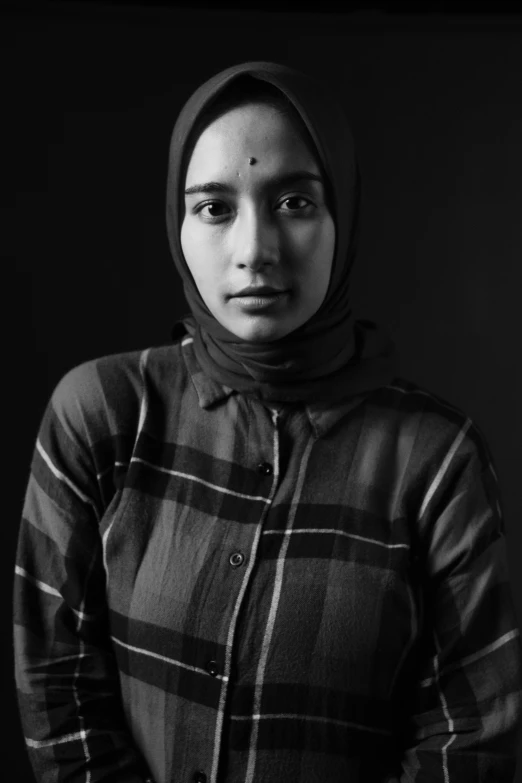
(237, 558)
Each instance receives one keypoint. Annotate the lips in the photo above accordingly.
(257, 291)
(260, 299)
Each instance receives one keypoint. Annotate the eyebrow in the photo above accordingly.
(280, 181)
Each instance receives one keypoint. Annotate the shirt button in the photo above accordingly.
(265, 469)
(200, 777)
(236, 559)
(212, 668)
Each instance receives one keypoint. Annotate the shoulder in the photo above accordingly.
(107, 392)
(440, 459)
(438, 428)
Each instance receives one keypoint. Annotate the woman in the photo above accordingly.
(256, 554)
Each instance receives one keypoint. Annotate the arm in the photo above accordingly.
(466, 704)
(66, 675)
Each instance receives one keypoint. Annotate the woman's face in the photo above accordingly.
(256, 218)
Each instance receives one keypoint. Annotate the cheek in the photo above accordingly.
(186, 241)
(196, 251)
(318, 246)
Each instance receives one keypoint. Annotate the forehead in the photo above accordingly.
(254, 130)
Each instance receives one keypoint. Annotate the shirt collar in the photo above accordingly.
(209, 392)
(321, 415)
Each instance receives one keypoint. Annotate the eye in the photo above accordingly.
(212, 210)
(295, 204)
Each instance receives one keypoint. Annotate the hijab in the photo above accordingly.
(331, 356)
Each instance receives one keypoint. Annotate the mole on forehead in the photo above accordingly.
(251, 162)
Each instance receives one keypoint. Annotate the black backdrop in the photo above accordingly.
(436, 108)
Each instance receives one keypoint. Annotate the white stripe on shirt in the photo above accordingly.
(310, 718)
(63, 478)
(443, 468)
(164, 658)
(334, 532)
(449, 719)
(191, 477)
(144, 404)
(500, 642)
(40, 585)
(78, 735)
(51, 591)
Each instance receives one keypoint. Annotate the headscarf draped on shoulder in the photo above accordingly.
(331, 356)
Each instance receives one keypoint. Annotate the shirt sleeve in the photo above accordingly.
(66, 675)
(464, 712)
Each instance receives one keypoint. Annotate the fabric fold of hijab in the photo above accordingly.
(331, 356)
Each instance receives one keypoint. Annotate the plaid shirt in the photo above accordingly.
(211, 590)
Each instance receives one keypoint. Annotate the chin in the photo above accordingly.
(259, 333)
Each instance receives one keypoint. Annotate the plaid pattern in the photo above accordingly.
(210, 590)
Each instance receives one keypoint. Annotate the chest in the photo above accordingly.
(248, 521)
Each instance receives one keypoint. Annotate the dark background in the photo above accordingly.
(92, 92)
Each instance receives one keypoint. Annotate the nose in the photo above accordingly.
(255, 240)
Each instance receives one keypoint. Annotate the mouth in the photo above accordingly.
(259, 291)
(259, 298)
